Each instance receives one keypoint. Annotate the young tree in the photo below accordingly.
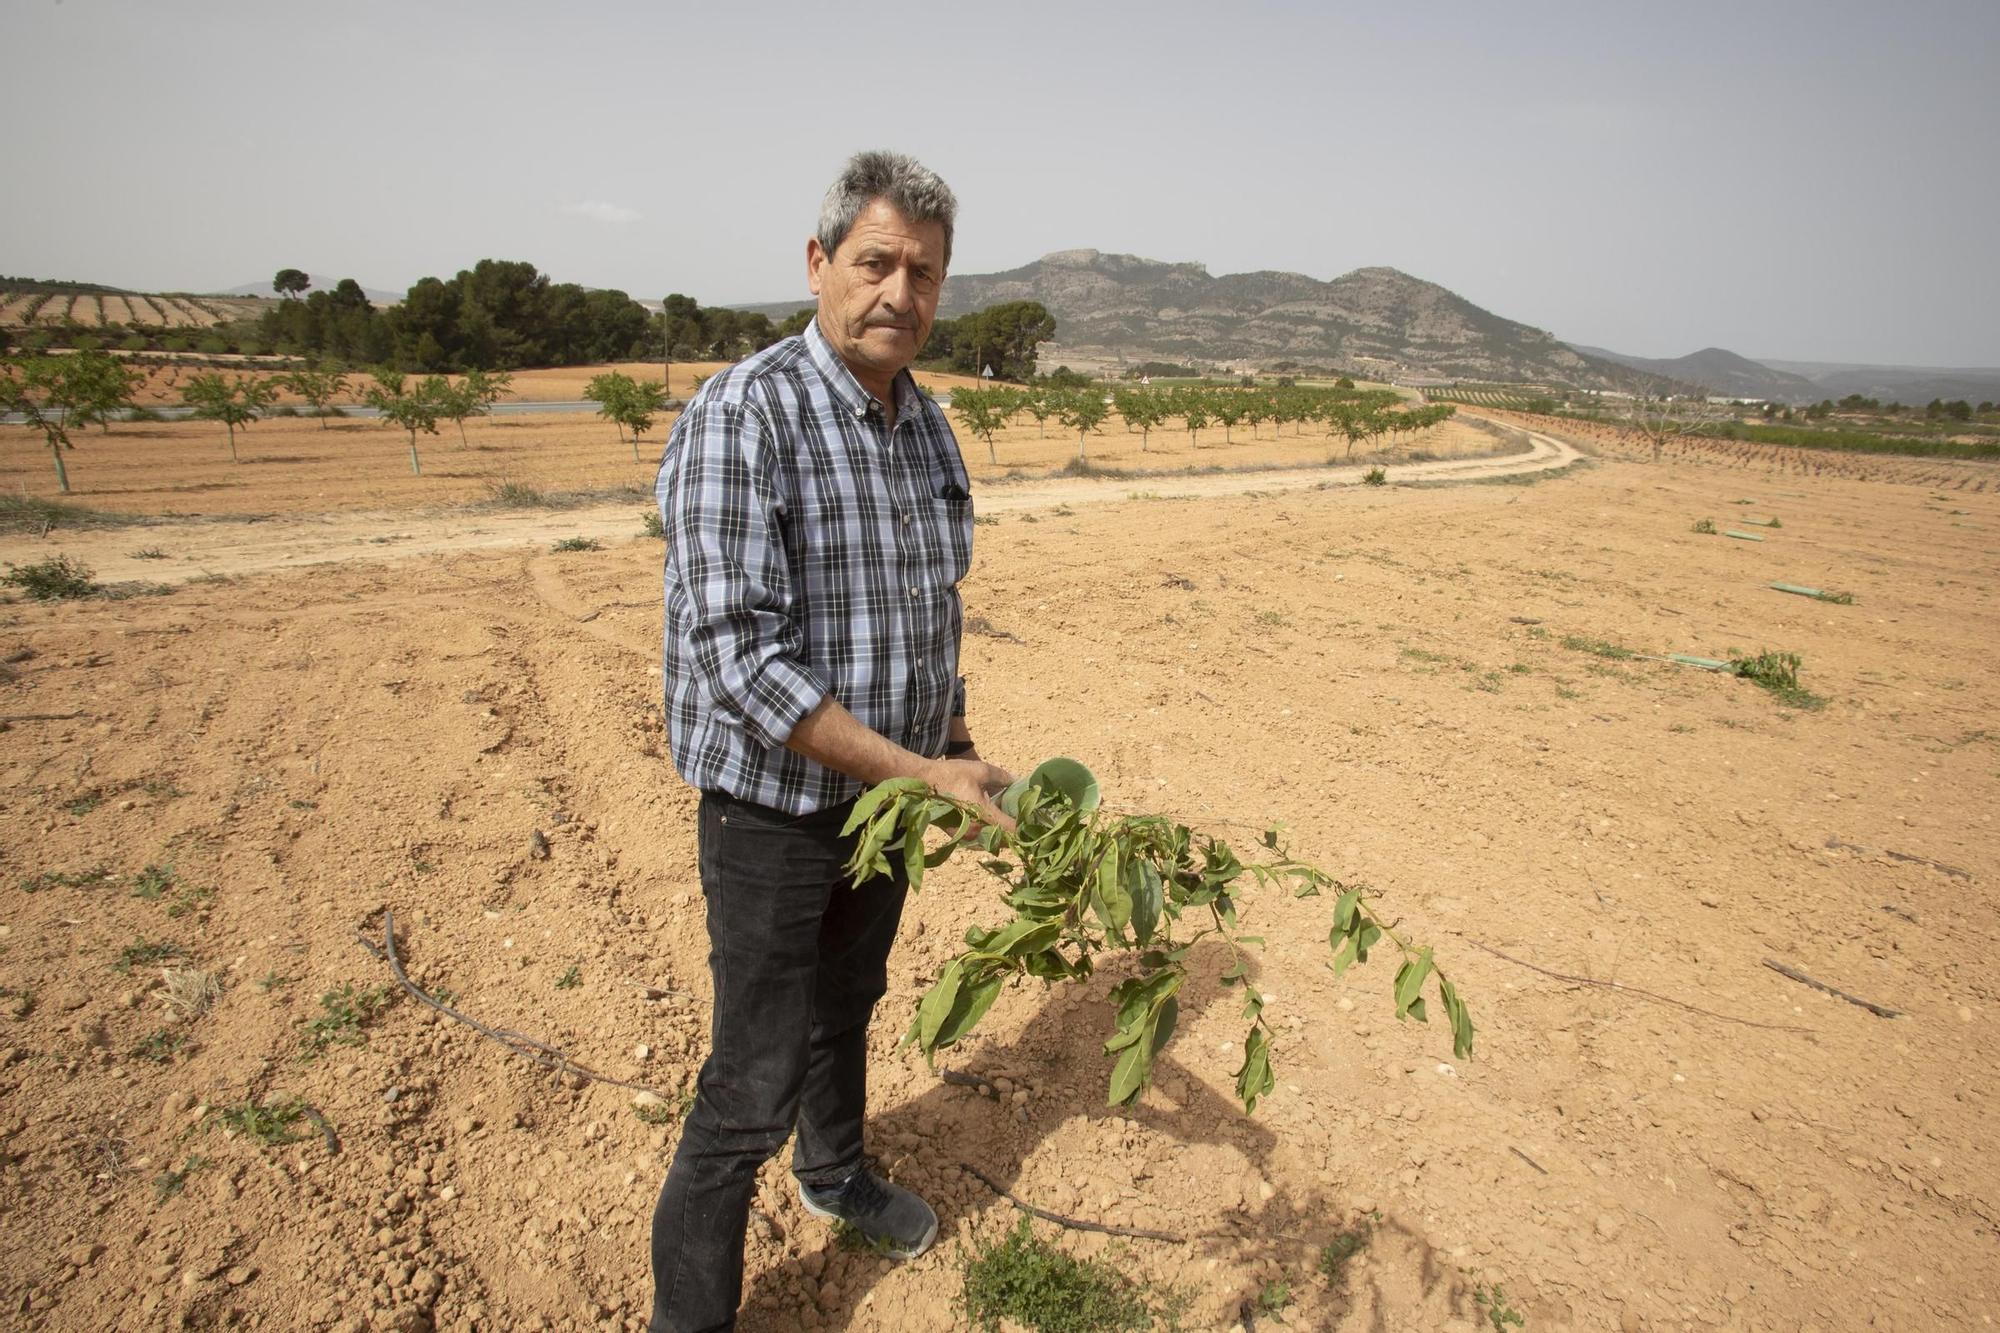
(626, 402)
(1195, 412)
(1083, 411)
(982, 415)
(215, 398)
(34, 388)
(1142, 409)
(1228, 408)
(318, 387)
(1658, 419)
(1041, 404)
(96, 387)
(414, 409)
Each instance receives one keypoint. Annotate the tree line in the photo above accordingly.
(1356, 415)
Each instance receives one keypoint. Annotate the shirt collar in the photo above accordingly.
(848, 389)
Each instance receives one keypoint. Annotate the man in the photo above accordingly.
(817, 522)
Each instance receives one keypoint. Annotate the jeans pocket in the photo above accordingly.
(735, 813)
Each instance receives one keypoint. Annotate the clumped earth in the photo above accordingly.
(217, 1107)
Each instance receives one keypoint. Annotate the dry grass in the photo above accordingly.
(189, 991)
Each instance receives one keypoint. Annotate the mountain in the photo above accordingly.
(319, 284)
(1900, 384)
(1377, 321)
(1722, 373)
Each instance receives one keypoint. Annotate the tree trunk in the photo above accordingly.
(992, 455)
(461, 433)
(62, 473)
(415, 467)
(231, 427)
(635, 447)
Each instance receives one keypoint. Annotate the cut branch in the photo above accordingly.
(1783, 969)
(1073, 1223)
(1634, 990)
(519, 1043)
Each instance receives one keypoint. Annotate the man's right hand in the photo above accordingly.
(973, 781)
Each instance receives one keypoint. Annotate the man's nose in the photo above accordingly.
(896, 289)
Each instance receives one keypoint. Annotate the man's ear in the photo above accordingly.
(815, 257)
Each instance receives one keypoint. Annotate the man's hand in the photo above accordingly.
(973, 781)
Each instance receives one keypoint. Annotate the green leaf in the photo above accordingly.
(936, 1005)
(1343, 910)
(1021, 937)
(1254, 1080)
(1343, 957)
(1135, 1067)
(874, 796)
(913, 856)
(1460, 1019)
(970, 1005)
(1364, 940)
(1410, 980)
(1142, 882)
(1417, 1010)
(1113, 903)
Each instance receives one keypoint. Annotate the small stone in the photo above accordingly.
(1629, 1322)
(1609, 1225)
(465, 1125)
(179, 1103)
(1964, 1014)
(642, 1052)
(83, 1256)
(238, 1275)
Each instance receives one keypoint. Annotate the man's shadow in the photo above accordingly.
(1291, 1226)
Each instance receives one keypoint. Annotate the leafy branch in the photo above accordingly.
(1082, 883)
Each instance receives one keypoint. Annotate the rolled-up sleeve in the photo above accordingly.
(723, 519)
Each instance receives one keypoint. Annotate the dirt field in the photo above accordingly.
(301, 465)
(1414, 680)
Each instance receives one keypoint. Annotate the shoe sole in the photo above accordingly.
(891, 1251)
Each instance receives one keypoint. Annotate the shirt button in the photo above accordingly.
(906, 520)
(913, 590)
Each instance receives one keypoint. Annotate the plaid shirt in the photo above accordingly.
(810, 554)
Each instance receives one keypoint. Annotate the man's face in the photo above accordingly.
(878, 292)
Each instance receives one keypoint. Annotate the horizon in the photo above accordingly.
(1741, 180)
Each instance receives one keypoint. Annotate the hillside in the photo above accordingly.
(1378, 320)
(25, 304)
(1720, 371)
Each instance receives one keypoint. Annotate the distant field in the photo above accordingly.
(174, 310)
(1511, 398)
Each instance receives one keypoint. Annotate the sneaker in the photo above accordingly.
(890, 1218)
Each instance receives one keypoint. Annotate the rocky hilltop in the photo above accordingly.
(1378, 320)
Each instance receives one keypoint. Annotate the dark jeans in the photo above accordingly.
(799, 960)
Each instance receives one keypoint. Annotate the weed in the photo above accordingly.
(55, 579)
(1537, 632)
(297, 804)
(1498, 1311)
(274, 1123)
(1774, 523)
(1705, 526)
(160, 1046)
(1597, 647)
(25, 511)
(1333, 1255)
(1271, 619)
(571, 979)
(271, 981)
(1422, 655)
(194, 898)
(1681, 729)
(1519, 669)
(21, 1003)
(57, 879)
(149, 553)
(1778, 673)
(664, 1113)
(985, 520)
(1567, 692)
(518, 495)
(144, 953)
(1031, 1282)
(650, 525)
(345, 1013)
(1276, 1294)
(153, 881)
(80, 806)
(1374, 476)
(1837, 598)
(577, 544)
(170, 1182)
(161, 789)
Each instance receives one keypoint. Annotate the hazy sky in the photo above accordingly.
(1813, 180)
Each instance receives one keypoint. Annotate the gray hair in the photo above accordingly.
(907, 185)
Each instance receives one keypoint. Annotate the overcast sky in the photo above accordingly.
(1811, 181)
